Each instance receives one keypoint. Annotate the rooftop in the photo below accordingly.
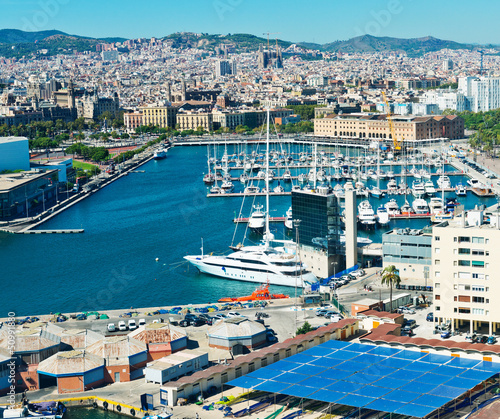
(15, 180)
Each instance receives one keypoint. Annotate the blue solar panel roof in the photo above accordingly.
(381, 378)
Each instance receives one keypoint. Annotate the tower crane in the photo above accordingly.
(396, 143)
(271, 33)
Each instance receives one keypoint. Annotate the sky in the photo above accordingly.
(319, 21)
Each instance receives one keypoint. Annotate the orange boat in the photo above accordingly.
(261, 293)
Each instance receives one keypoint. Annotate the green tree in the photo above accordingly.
(305, 328)
(390, 277)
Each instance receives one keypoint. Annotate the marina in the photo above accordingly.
(129, 222)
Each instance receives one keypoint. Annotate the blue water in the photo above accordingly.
(91, 413)
(162, 213)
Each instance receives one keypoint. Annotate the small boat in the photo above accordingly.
(257, 219)
(160, 154)
(376, 192)
(302, 178)
(227, 186)
(460, 190)
(287, 176)
(209, 178)
(279, 189)
(243, 178)
(251, 189)
(444, 182)
(260, 294)
(392, 185)
(215, 189)
(406, 209)
(361, 241)
(420, 206)
(430, 190)
(383, 216)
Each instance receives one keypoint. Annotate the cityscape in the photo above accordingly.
(227, 209)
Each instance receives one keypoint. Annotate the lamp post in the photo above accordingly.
(296, 224)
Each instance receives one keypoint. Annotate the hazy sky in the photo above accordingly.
(313, 21)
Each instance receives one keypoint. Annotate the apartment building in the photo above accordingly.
(466, 292)
(376, 126)
(132, 120)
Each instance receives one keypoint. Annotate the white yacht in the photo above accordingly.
(262, 263)
(383, 215)
(244, 178)
(289, 219)
(227, 186)
(302, 178)
(160, 154)
(250, 189)
(257, 220)
(420, 206)
(430, 190)
(443, 182)
(473, 183)
(392, 185)
(418, 189)
(376, 192)
(392, 207)
(361, 241)
(436, 206)
(279, 189)
(460, 190)
(215, 189)
(366, 215)
(287, 176)
(406, 209)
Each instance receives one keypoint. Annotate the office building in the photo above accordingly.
(319, 230)
(466, 293)
(409, 251)
(447, 65)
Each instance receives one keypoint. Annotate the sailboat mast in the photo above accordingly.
(267, 180)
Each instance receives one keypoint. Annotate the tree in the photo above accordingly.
(305, 328)
(390, 277)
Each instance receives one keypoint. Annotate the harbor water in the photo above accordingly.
(162, 213)
(91, 413)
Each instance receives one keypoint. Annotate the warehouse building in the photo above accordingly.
(161, 339)
(175, 366)
(236, 333)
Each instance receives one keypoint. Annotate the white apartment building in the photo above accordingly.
(483, 93)
(464, 272)
(446, 99)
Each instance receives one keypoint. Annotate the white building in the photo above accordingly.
(224, 68)
(110, 55)
(425, 109)
(317, 81)
(483, 93)
(446, 99)
(14, 153)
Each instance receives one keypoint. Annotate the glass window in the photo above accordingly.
(464, 239)
(464, 263)
(464, 251)
(478, 263)
(478, 240)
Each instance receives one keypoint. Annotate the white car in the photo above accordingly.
(142, 322)
(234, 314)
(358, 273)
(122, 326)
(111, 327)
(219, 316)
(132, 325)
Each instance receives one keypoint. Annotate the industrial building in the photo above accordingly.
(71, 371)
(174, 366)
(236, 333)
(14, 153)
(161, 339)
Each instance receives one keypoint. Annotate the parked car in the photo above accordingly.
(491, 340)
(184, 323)
(483, 339)
(219, 316)
(407, 331)
(446, 334)
(142, 322)
(234, 314)
(470, 338)
(132, 325)
(271, 337)
(122, 326)
(111, 327)
(208, 320)
(336, 317)
(411, 323)
(358, 273)
(430, 317)
(406, 310)
(198, 322)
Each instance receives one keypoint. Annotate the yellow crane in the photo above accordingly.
(271, 33)
(397, 144)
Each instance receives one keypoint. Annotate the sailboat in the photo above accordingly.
(209, 178)
(260, 263)
(376, 191)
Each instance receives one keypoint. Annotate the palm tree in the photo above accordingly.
(390, 277)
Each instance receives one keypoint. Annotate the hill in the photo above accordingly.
(412, 46)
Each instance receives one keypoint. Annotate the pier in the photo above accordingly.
(244, 220)
(67, 231)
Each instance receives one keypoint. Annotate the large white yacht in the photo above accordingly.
(289, 219)
(262, 263)
(420, 206)
(418, 189)
(444, 182)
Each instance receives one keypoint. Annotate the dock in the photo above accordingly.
(244, 220)
(65, 231)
